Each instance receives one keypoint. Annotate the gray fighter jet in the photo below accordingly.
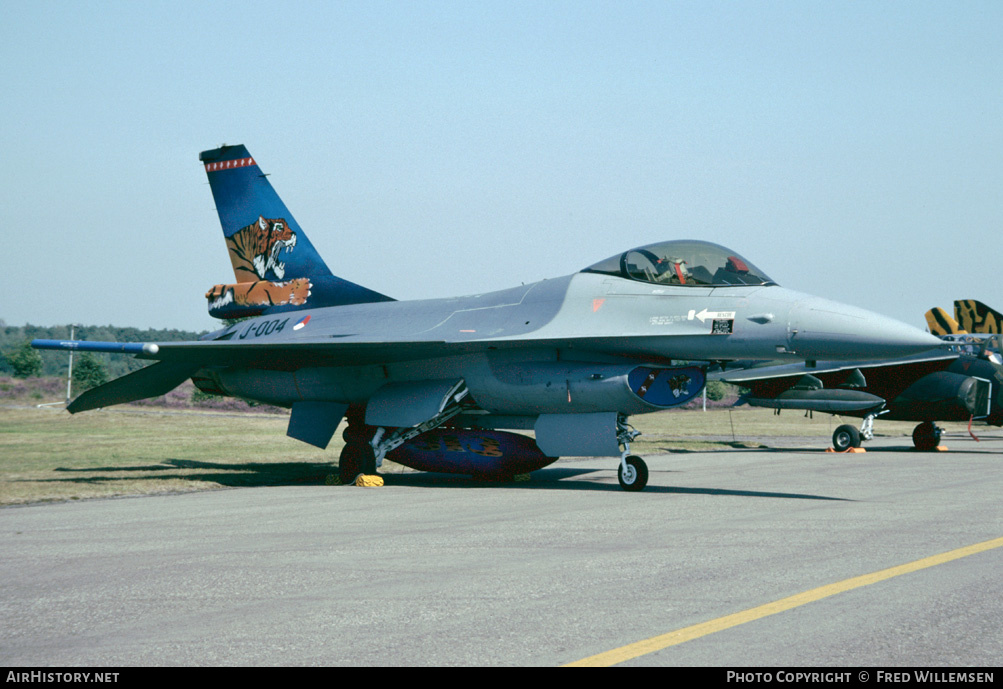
(430, 383)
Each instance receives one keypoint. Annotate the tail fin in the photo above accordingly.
(941, 324)
(976, 317)
(271, 255)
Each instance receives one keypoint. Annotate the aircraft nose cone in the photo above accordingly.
(826, 329)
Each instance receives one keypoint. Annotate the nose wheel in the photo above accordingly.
(845, 437)
(633, 473)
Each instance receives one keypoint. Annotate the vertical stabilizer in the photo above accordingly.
(941, 324)
(264, 240)
(976, 317)
(276, 266)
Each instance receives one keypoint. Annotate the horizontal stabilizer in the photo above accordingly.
(152, 381)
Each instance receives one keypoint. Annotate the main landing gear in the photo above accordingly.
(926, 436)
(366, 446)
(633, 472)
(358, 455)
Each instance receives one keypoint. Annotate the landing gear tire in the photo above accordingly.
(926, 436)
(845, 437)
(356, 458)
(636, 476)
(348, 465)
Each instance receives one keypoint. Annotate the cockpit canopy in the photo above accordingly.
(686, 262)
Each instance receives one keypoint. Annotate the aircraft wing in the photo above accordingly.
(334, 351)
(178, 361)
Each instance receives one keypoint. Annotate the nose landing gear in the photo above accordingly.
(846, 436)
(633, 472)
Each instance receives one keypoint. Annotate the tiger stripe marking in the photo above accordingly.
(941, 324)
(255, 249)
(260, 293)
(976, 317)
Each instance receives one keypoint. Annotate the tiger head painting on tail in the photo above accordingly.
(255, 249)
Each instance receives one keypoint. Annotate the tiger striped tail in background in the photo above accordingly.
(976, 317)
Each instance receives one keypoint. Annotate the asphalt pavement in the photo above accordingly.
(441, 570)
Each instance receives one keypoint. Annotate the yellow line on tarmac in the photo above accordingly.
(657, 643)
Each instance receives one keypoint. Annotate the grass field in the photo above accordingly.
(48, 454)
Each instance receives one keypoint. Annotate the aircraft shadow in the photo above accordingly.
(983, 446)
(909, 449)
(569, 479)
(230, 475)
(264, 474)
(818, 450)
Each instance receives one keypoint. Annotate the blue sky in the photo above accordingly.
(851, 150)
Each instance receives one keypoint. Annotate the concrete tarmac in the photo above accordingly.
(440, 570)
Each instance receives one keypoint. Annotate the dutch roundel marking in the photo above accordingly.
(301, 323)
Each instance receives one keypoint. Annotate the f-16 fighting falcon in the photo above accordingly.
(437, 384)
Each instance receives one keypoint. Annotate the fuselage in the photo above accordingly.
(526, 350)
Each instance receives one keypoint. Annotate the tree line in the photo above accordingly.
(18, 359)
